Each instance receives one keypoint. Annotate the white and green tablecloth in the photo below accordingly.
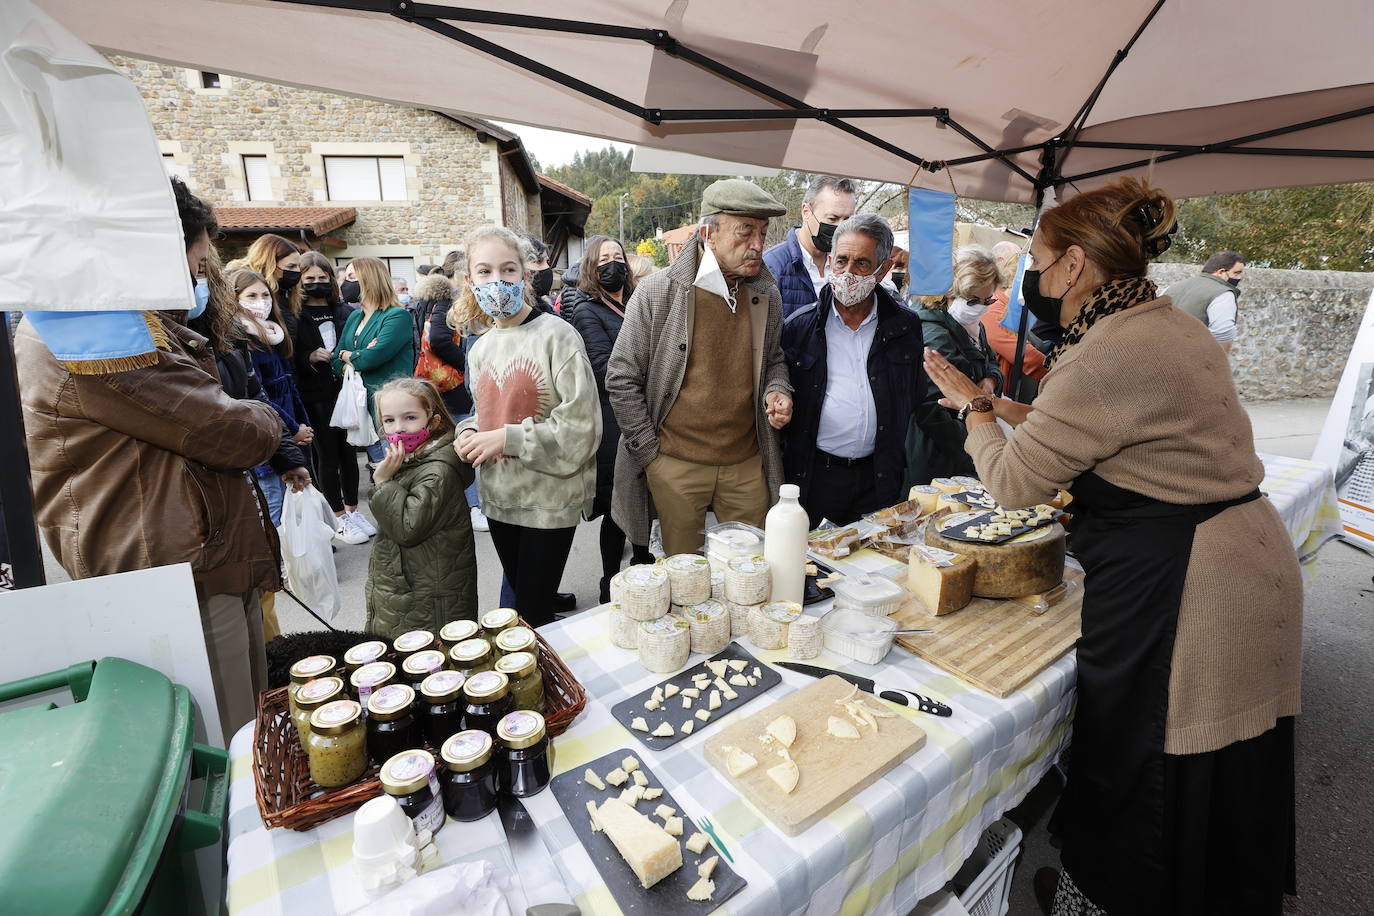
(893, 844)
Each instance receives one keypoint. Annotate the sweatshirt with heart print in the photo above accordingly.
(534, 381)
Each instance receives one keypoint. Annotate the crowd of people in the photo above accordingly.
(649, 398)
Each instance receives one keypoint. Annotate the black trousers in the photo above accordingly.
(841, 493)
(336, 463)
(533, 560)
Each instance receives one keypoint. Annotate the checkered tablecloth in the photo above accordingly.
(892, 845)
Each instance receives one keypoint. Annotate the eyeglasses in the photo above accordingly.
(974, 300)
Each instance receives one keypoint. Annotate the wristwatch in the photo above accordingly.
(980, 404)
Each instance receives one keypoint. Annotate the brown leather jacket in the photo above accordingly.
(148, 467)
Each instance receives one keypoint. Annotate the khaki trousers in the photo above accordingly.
(238, 657)
(683, 491)
(271, 629)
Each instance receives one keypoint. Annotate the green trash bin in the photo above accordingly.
(96, 794)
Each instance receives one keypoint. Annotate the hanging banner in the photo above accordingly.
(930, 271)
(1347, 439)
(1012, 319)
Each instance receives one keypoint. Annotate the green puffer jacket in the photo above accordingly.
(423, 571)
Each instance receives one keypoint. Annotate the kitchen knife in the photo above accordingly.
(534, 866)
(898, 695)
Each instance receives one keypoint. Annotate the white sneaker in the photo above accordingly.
(347, 532)
(361, 523)
(479, 521)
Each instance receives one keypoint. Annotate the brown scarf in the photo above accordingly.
(1109, 298)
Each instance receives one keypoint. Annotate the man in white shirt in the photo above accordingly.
(1212, 296)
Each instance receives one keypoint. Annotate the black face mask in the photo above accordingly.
(1046, 308)
(1235, 282)
(899, 280)
(289, 278)
(317, 290)
(541, 281)
(611, 276)
(824, 237)
(350, 290)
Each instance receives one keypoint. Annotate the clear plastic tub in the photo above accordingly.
(857, 635)
(733, 539)
(869, 594)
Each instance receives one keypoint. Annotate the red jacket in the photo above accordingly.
(1003, 342)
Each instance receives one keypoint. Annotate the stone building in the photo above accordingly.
(350, 177)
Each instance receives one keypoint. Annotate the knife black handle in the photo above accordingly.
(923, 703)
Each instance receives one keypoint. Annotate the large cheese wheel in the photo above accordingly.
(940, 580)
(1026, 565)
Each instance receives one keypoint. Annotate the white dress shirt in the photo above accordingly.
(849, 418)
(818, 277)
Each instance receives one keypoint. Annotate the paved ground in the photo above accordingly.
(1335, 733)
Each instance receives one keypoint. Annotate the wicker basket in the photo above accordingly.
(288, 797)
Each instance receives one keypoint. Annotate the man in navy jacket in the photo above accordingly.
(799, 261)
(855, 360)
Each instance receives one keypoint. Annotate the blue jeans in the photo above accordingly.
(274, 488)
(376, 451)
(473, 499)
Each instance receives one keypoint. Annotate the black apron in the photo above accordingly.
(1135, 552)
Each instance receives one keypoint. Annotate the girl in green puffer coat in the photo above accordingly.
(423, 572)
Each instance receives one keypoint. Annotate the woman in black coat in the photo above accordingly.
(603, 288)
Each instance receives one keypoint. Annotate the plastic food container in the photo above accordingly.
(870, 594)
(733, 539)
(859, 636)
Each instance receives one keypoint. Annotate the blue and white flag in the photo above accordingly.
(1012, 319)
(930, 214)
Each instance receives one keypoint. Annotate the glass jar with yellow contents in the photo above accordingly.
(517, 639)
(497, 621)
(451, 634)
(472, 656)
(337, 746)
(307, 669)
(526, 681)
(310, 697)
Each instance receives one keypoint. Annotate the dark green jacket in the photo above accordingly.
(383, 351)
(423, 571)
(935, 441)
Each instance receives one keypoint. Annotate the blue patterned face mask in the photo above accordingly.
(500, 298)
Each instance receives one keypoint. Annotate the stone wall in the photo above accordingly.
(1295, 328)
(454, 182)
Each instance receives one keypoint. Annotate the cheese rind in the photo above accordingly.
(1025, 565)
(941, 581)
(646, 847)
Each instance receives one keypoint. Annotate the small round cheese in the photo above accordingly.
(689, 578)
(748, 580)
(645, 593)
(739, 618)
(624, 629)
(617, 587)
(665, 643)
(804, 637)
(718, 585)
(768, 624)
(710, 626)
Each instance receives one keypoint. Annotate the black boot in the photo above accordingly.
(564, 602)
(605, 590)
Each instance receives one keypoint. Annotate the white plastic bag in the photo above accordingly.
(350, 410)
(307, 531)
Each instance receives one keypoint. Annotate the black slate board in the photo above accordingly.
(669, 896)
(961, 522)
(814, 592)
(672, 712)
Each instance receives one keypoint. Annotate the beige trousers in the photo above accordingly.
(684, 491)
(238, 657)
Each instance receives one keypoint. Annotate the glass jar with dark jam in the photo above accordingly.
(472, 656)
(517, 639)
(421, 665)
(459, 630)
(407, 644)
(523, 766)
(469, 778)
(370, 678)
(495, 622)
(392, 725)
(307, 669)
(364, 653)
(526, 681)
(310, 697)
(487, 699)
(410, 778)
(441, 707)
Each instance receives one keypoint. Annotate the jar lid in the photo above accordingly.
(681, 561)
(517, 664)
(391, 702)
(516, 639)
(414, 641)
(500, 619)
(407, 772)
(370, 675)
(469, 651)
(486, 686)
(644, 574)
(320, 690)
(705, 611)
(467, 750)
(311, 667)
(364, 653)
(782, 611)
(442, 686)
(425, 662)
(753, 564)
(459, 630)
(333, 718)
(520, 729)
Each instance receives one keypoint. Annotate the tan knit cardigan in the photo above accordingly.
(1146, 401)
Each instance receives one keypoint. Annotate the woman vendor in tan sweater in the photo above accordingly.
(1180, 788)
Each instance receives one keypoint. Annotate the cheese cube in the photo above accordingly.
(617, 777)
(940, 580)
(672, 825)
(663, 812)
(646, 847)
(713, 701)
(593, 780)
(640, 779)
(669, 691)
(630, 764)
(686, 702)
(697, 843)
(651, 794)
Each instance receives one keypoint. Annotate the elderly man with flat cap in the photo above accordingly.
(698, 380)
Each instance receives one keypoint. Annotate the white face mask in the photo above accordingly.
(260, 309)
(851, 289)
(966, 313)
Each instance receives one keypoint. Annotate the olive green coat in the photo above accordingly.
(423, 571)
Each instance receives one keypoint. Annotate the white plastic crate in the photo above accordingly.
(986, 876)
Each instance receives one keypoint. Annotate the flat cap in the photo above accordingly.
(738, 197)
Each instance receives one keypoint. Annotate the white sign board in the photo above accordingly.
(1347, 439)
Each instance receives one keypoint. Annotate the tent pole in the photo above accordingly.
(16, 498)
(1047, 162)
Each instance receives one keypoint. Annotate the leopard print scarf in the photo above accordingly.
(1107, 299)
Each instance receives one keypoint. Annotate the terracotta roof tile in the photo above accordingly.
(318, 220)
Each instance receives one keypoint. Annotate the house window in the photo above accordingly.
(255, 177)
(365, 177)
(209, 80)
(400, 268)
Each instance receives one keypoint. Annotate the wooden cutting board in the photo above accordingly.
(832, 770)
(995, 644)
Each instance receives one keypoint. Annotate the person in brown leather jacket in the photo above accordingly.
(146, 467)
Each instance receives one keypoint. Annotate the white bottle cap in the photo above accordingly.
(789, 491)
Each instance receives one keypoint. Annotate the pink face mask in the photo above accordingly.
(409, 441)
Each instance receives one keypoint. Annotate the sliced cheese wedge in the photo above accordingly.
(669, 691)
(638, 724)
(738, 664)
(841, 729)
(739, 680)
(702, 890)
(650, 852)
(739, 762)
(652, 794)
(664, 730)
(717, 668)
(593, 780)
(630, 764)
(705, 869)
(640, 779)
(617, 777)
(784, 729)
(713, 701)
(687, 727)
(785, 775)
(703, 714)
